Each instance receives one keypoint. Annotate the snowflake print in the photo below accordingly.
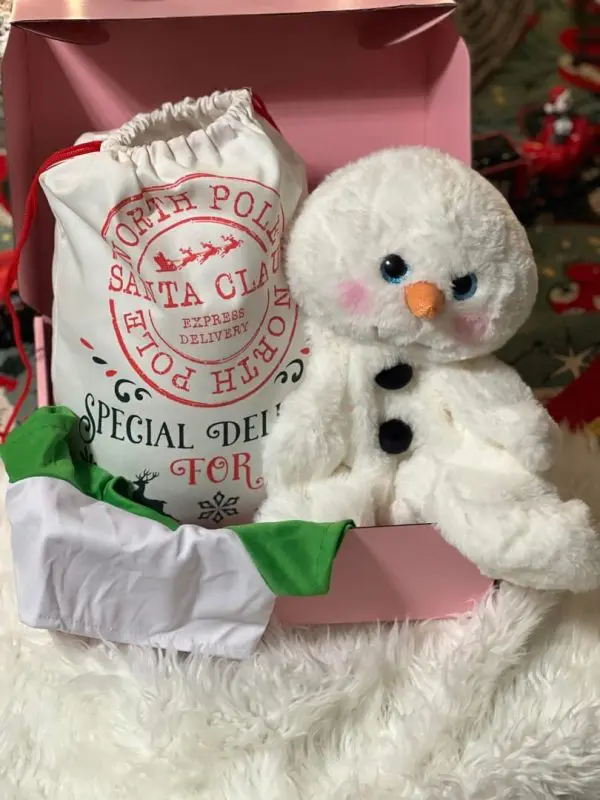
(218, 508)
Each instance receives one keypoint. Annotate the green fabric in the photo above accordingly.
(42, 447)
(294, 558)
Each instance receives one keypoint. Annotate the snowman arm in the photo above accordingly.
(309, 439)
(489, 399)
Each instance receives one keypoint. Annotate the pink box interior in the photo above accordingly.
(341, 79)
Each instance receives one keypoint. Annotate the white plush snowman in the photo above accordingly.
(411, 269)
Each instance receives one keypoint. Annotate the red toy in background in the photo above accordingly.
(559, 114)
(557, 162)
(581, 294)
(564, 144)
(578, 405)
(580, 64)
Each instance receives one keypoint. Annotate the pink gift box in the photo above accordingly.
(342, 78)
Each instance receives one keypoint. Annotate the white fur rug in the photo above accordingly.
(504, 704)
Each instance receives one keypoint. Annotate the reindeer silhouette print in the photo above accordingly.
(142, 479)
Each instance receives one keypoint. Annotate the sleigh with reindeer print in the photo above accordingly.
(330, 116)
(189, 256)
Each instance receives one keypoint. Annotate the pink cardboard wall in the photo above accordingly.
(334, 98)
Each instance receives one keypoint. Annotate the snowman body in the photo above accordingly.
(411, 270)
(371, 436)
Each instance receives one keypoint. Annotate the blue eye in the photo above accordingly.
(465, 286)
(393, 268)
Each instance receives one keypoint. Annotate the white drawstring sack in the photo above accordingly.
(174, 335)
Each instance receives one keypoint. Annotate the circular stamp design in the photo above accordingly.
(198, 301)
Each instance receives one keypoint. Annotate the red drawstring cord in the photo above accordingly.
(260, 108)
(31, 205)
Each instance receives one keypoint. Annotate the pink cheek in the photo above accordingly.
(470, 328)
(354, 297)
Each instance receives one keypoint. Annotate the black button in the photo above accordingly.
(395, 436)
(395, 378)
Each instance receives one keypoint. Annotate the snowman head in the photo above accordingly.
(411, 248)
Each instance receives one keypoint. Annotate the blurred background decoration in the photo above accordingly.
(491, 29)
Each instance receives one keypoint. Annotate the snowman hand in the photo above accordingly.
(533, 539)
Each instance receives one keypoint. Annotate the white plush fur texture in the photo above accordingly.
(445, 220)
(483, 449)
(501, 705)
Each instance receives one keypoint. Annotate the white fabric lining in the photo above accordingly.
(87, 568)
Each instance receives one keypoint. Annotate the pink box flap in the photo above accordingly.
(69, 10)
(329, 80)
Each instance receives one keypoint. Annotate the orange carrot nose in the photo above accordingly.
(424, 299)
